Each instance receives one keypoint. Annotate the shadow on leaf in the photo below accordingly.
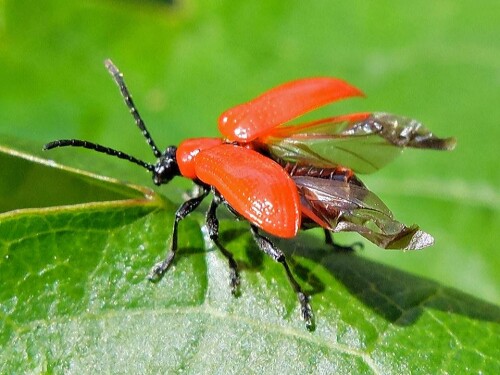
(397, 296)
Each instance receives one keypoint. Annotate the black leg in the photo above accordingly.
(328, 237)
(270, 249)
(213, 230)
(184, 210)
(339, 248)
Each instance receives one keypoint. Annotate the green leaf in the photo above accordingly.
(75, 298)
(76, 248)
(20, 171)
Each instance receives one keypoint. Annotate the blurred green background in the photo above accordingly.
(187, 61)
(74, 297)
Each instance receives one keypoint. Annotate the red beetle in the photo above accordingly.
(282, 178)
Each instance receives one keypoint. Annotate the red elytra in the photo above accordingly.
(238, 174)
(246, 122)
(281, 177)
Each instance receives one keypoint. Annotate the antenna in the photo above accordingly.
(118, 77)
(98, 148)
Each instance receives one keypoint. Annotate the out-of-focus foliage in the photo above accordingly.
(69, 275)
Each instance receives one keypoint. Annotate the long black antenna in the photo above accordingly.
(98, 148)
(118, 77)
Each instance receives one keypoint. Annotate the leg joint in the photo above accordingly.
(281, 258)
(214, 236)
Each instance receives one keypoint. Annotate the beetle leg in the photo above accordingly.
(184, 210)
(328, 237)
(339, 248)
(213, 231)
(270, 249)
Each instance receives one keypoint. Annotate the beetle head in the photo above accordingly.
(166, 167)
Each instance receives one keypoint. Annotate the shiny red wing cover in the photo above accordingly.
(254, 186)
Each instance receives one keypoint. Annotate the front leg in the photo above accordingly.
(184, 210)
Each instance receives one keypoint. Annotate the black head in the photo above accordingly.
(165, 167)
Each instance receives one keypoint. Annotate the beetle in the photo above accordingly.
(282, 178)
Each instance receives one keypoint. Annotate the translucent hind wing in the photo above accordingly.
(344, 207)
(363, 142)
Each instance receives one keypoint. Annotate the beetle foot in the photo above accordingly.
(160, 268)
(157, 272)
(306, 311)
(234, 282)
(356, 246)
(339, 248)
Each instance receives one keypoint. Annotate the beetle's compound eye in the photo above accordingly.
(166, 168)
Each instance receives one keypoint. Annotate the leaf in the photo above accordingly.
(75, 299)
(20, 171)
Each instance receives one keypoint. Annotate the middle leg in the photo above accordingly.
(213, 231)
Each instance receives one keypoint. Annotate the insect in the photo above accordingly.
(282, 178)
